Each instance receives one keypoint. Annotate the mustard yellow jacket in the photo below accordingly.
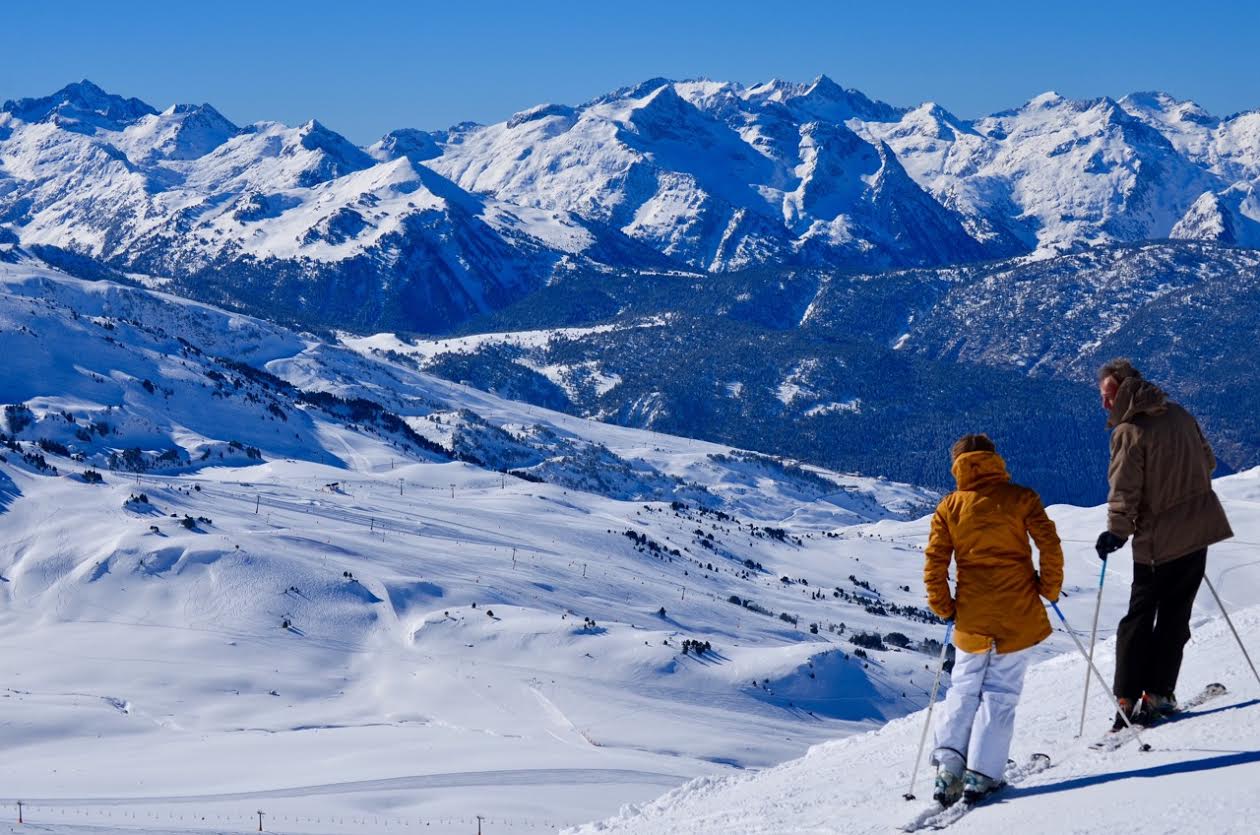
(984, 525)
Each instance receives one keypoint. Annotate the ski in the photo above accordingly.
(1117, 739)
(937, 816)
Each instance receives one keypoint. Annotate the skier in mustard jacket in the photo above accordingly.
(984, 526)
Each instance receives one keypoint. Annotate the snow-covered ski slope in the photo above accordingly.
(459, 641)
(1200, 776)
(319, 614)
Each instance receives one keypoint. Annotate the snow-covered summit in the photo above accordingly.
(81, 107)
(1230, 217)
(714, 175)
(181, 132)
(222, 209)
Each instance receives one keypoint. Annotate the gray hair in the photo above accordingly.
(1119, 369)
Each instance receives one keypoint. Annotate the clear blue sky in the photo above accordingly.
(365, 67)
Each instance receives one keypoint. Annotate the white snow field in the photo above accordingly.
(284, 602)
(458, 641)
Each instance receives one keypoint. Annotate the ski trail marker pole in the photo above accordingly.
(940, 668)
(1102, 681)
(1093, 636)
(1241, 646)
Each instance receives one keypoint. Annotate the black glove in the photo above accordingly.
(1108, 542)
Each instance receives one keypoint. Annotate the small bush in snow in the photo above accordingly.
(870, 640)
(53, 447)
(930, 646)
(897, 639)
(18, 417)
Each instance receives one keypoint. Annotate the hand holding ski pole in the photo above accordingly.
(1107, 543)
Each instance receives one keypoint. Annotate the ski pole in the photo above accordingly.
(1221, 606)
(1093, 636)
(940, 668)
(1102, 681)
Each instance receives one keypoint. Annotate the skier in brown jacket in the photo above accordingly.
(1161, 496)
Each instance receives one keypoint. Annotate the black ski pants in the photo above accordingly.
(1152, 635)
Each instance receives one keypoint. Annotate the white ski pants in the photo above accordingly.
(977, 718)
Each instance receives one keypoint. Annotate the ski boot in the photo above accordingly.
(977, 787)
(1140, 713)
(1162, 706)
(949, 786)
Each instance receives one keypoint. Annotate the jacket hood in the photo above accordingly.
(1134, 397)
(976, 469)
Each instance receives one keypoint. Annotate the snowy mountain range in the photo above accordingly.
(723, 176)
(295, 221)
(422, 230)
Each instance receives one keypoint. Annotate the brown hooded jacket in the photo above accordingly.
(1161, 477)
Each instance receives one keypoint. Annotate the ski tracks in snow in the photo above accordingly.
(418, 782)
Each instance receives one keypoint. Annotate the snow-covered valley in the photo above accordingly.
(302, 586)
(247, 605)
